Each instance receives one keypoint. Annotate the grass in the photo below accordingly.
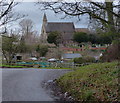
(54, 68)
(11, 66)
(95, 82)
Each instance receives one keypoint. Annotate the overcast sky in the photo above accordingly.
(36, 15)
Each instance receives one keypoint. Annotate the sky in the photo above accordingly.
(36, 15)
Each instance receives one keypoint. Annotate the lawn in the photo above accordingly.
(11, 66)
(95, 82)
(54, 68)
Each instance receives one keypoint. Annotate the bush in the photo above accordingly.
(80, 37)
(42, 50)
(86, 59)
(89, 59)
(112, 52)
(79, 60)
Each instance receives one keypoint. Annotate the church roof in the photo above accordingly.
(60, 27)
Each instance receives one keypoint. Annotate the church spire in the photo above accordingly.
(43, 30)
(44, 18)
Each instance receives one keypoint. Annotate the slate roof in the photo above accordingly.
(71, 55)
(60, 27)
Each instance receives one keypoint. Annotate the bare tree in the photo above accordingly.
(26, 26)
(103, 12)
(27, 29)
(6, 12)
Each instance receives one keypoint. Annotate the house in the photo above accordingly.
(68, 56)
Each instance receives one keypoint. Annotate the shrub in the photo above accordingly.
(79, 60)
(42, 50)
(86, 59)
(112, 52)
(80, 37)
(89, 59)
(54, 37)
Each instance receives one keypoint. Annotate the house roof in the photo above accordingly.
(60, 27)
(71, 55)
(86, 30)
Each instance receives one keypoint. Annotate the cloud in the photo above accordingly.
(36, 15)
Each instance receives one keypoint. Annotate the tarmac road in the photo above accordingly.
(25, 84)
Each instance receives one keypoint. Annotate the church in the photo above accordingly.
(66, 29)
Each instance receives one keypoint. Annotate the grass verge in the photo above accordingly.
(12, 66)
(53, 68)
(95, 82)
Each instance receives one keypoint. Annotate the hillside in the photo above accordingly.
(95, 82)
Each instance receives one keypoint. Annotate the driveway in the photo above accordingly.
(25, 84)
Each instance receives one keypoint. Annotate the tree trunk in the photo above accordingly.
(5, 56)
(109, 8)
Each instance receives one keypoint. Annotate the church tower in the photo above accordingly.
(43, 31)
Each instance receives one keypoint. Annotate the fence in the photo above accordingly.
(66, 65)
(49, 64)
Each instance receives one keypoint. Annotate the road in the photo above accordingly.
(25, 84)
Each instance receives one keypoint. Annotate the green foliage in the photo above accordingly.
(86, 59)
(103, 37)
(54, 37)
(12, 66)
(22, 47)
(9, 47)
(106, 38)
(80, 37)
(95, 82)
(89, 59)
(116, 41)
(92, 38)
(8, 43)
(42, 49)
(79, 60)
